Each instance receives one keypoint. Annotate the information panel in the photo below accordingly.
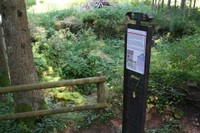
(136, 44)
(136, 72)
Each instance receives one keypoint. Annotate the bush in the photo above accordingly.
(182, 55)
(172, 65)
(107, 21)
(165, 88)
(175, 22)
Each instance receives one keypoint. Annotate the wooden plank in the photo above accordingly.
(38, 86)
(51, 111)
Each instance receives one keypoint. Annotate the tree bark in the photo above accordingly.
(159, 4)
(194, 4)
(162, 5)
(20, 58)
(152, 4)
(175, 3)
(4, 75)
(183, 4)
(190, 5)
(169, 4)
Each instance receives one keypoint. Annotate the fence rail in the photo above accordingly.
(99, 80)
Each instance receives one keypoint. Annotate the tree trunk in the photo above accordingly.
(4, 77)
(175, 3)
(159, 4)
(153, 4)
(20, 58)
(162, 4)
(190, 5)
(194, 4)
(183, 4)
(169, 4)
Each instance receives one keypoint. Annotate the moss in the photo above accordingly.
(43, 105)
(4, 79)
(70, 96)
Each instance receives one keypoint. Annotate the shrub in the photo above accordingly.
(107, 21)
(172, 65)
(175, 22)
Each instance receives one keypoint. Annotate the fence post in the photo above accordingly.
(100, 90)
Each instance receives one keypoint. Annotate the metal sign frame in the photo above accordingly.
(135, 85)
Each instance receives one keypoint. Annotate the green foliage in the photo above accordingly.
(6, 104)
(93, 118)
(64, 96)
(172, 65)
(79, 55)
(165, 88)
(181, 55)
(106, 22)
(50, 124)
(170, 126)
(178, 23)
(62, 50)
(30, 3)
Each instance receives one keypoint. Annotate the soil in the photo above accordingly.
(190, 123)
(188, 127)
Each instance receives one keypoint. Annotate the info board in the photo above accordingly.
(136, 72)
(136, 45)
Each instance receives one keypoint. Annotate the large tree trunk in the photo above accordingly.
(4, 77)
(20, 58)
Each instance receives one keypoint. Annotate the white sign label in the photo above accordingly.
(135, 52)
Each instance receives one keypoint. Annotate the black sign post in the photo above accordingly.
(136, 72)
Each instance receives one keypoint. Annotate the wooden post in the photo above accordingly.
(100, 90)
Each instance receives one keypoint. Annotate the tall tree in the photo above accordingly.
(159, 4)
(183, 2)
(175, 3)
(162, 4)
(190, 5)
(153, 4)
(194, 4)
(169, 4)
(4, 78)
(20, 58)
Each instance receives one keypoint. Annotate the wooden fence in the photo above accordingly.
(99, 80)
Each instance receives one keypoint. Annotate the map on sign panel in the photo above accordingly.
(135, 52)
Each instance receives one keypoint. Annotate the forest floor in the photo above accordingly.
(190, 123)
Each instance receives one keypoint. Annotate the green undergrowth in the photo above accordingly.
(77, 42)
